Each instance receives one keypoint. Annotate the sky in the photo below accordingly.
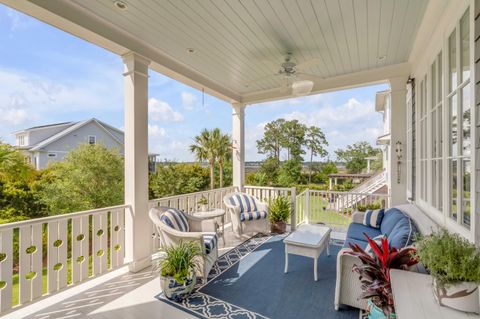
(49, 76)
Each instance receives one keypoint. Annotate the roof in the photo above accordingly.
(380, 100)
(43, 126)
(72, 128)
(346, 175)
(383, 139)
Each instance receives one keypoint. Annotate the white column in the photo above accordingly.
(238, 141)
(137, 224)
(398, 132)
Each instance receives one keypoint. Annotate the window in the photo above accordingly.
(21, 140)
(460, 123)
(52, 154)
(444, 124)
(92, 139)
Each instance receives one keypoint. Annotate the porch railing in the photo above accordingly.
(42, 256)
(335, 208)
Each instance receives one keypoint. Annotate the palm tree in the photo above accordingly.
(223, 151)
(205, 150)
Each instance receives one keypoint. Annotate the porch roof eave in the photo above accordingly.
(76, 20)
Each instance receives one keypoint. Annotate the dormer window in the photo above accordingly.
(92, 139)
(21, 140)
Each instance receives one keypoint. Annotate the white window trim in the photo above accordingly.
(95, 139)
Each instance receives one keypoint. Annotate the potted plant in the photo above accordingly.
(278, 214)
(454, 264)
(178, 270)
(375, 274)
(203, 202)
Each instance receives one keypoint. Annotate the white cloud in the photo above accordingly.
(17, 20)
(162, 111)
(188, 101)
(156, 131)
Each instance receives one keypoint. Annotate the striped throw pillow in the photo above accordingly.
(373, 218)
(246, 202)
(176, 219)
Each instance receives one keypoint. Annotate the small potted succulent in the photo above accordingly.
(203, 202)
(178, 270)
(374, 274)
(454, 264)
(278, 214)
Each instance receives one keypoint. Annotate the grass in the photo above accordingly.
(321, 212)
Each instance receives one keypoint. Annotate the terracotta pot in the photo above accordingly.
(463, 296)
(278, 227)
(176, 291)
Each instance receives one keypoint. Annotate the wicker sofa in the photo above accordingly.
(399, 225)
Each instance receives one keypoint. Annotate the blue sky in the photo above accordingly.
(48, 76)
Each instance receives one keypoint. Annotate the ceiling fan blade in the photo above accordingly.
(286, 87)
(309, 63)
(261, 79)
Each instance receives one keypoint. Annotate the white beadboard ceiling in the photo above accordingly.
(236, 42)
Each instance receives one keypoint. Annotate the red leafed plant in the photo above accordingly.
(375, 271)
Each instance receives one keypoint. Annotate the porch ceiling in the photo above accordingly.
(237, 42)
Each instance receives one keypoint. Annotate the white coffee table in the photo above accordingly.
(308, 241)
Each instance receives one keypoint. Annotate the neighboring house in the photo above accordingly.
(50, 143)
(382, 105)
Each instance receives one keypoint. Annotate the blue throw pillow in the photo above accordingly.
(373, 218)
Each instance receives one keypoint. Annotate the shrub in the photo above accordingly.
(449, 257)
(180, 261)
(279, 209)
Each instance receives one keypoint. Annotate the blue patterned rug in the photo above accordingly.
(248, 282)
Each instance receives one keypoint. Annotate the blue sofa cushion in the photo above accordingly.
(402, 234)
(355, 231)
(362, 243)
(391, 217)
(373, 218)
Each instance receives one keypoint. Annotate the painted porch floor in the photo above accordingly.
(118, 294)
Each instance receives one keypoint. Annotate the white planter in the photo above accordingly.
(463, 296)
(175, 291)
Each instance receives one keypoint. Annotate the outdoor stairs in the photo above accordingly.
(362, 191)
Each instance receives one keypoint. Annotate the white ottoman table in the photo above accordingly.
(308, 241)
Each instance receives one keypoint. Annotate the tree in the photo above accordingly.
(91, 176)
(223, 150)
(205, 149)
(325, 170)
(294, 139)
(315, 141)
(273, 139)
(18, 201)
(290, 173)
(174, 179)
(355, 156)
(270, 170)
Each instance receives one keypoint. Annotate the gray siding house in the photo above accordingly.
(50, 143)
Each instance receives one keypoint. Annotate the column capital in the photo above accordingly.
(237, 106)
(398, 83)
(135, 63)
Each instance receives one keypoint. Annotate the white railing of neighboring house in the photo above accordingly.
(335, 208)
(68, 249)
(269, 193)
(370, 186)
(189, 203)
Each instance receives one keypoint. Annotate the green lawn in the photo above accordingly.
(321, 212)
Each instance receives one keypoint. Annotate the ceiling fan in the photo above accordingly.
(295, 80)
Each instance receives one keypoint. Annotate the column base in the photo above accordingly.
(137, 265)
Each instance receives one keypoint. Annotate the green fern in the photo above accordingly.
(180, 261)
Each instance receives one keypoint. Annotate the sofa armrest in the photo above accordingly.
(357, 217)
(348, 286)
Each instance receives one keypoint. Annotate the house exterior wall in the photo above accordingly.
(37, 135)
(445, 122)
(57, 150)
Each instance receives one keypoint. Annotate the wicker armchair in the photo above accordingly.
(174, 226)
(247, 213)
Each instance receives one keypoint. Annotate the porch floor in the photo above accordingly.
(118, 294)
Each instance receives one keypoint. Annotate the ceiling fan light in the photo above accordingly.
(303, 87)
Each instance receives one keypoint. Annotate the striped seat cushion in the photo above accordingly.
(176, 219)
(210, 240)
(247, 216)
(246, 202)
(373, 218)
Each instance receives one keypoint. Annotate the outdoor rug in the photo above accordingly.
(249, 282)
